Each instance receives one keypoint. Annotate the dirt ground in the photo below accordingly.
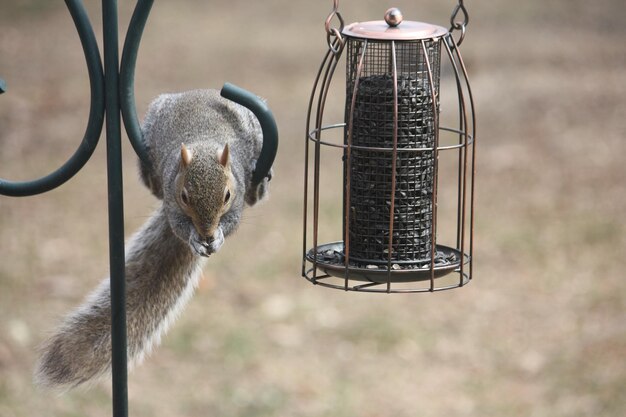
(541, 331)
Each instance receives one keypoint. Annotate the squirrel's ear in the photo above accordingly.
(185, 155)
(224, 156)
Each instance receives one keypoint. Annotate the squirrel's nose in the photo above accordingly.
(206, 233)
(208, 236)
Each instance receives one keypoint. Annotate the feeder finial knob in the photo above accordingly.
(393, 17)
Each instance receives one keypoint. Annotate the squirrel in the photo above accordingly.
(202, 148)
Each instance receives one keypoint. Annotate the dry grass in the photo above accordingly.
(541, 331)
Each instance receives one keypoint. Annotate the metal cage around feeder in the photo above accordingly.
(389, 147)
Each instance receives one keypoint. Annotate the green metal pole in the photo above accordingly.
(116, 210)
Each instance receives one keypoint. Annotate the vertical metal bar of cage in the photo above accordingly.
(462, 182)
(394, 156)
(328, 75)
(116, 210)
(306, 161)
(348, 155)
(459, 229)
(473, 136)
(316, 186)
(435, 151)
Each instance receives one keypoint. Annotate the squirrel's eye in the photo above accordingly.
(227, 196)
(184, 196)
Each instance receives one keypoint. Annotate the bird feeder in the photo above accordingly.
(394, 160)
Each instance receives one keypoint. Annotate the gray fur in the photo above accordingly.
(163, 261)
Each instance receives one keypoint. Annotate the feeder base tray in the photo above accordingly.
(330, 259)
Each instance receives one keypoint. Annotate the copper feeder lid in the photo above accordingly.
(391, 30)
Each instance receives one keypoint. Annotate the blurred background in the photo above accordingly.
(541, 331)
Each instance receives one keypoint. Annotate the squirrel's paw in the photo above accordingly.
(205, 247)
(269, 175)
(254, 194)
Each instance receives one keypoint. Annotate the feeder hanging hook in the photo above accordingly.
(335, 45)
(459, 22)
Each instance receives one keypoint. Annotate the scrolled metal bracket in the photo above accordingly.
(95, 121)
(127, 78)
(268, 126)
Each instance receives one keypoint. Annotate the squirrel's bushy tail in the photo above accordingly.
(161, 274)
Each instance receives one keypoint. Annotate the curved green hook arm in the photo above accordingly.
(127, 78)
(268, 125)
(229, 91)
(96, 114)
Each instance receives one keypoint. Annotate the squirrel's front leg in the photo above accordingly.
(230, 221)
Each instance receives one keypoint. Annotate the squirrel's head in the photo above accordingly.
(204, 186)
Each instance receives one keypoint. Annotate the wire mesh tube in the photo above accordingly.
(376, 122)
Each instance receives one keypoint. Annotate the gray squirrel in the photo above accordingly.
(203, 150)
